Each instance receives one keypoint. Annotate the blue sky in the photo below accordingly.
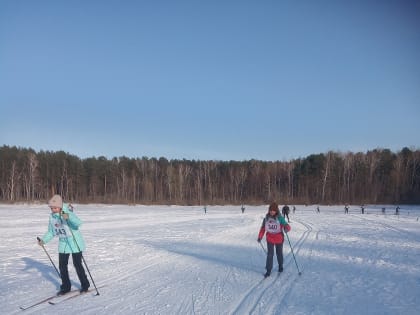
(224, 80)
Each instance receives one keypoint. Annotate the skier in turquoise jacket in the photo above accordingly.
(65, 224)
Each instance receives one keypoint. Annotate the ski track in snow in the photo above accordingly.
(259, 298)
(178, 260)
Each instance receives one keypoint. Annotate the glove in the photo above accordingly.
(259, 240)
(65, 215)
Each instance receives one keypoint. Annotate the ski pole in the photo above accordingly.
(87, 268)
(262, 246)
(42, 244)
(299, 272)
(84, 261)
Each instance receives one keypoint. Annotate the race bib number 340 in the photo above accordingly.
(272, 226)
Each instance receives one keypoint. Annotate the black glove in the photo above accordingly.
(259, 240)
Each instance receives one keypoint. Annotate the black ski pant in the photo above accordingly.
(270, 255)
(63, 260)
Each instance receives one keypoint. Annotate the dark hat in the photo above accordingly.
(274, 206)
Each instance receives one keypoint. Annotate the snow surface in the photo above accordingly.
(178, 260)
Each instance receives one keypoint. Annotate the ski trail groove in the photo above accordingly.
(258, 299)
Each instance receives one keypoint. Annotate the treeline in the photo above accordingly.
(377, 176)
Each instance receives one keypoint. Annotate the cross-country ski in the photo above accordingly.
(38, 302)
(69, 296)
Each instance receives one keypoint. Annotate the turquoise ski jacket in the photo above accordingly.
(70, 238)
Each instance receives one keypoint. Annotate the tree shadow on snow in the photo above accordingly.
(226, 255)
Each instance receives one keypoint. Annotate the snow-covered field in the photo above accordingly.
(178, 260)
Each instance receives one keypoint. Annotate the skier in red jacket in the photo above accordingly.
(273, 226)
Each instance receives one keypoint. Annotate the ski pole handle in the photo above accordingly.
(40, 242)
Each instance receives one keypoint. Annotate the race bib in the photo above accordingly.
(61, 229)
(272, 226)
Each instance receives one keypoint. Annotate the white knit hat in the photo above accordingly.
(56, 202)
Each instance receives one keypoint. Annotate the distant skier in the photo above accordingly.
(397, 210)
(318, 210)
(363, 209)
(346, 209)
(294, 209)
(285, 211)
(205, 209)
(273, 226)
(243, 209)
(383, 210)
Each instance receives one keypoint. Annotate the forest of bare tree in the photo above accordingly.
(376, 176)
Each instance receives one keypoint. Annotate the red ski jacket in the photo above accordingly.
(274, 226)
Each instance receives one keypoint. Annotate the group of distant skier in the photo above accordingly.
(362, 209)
